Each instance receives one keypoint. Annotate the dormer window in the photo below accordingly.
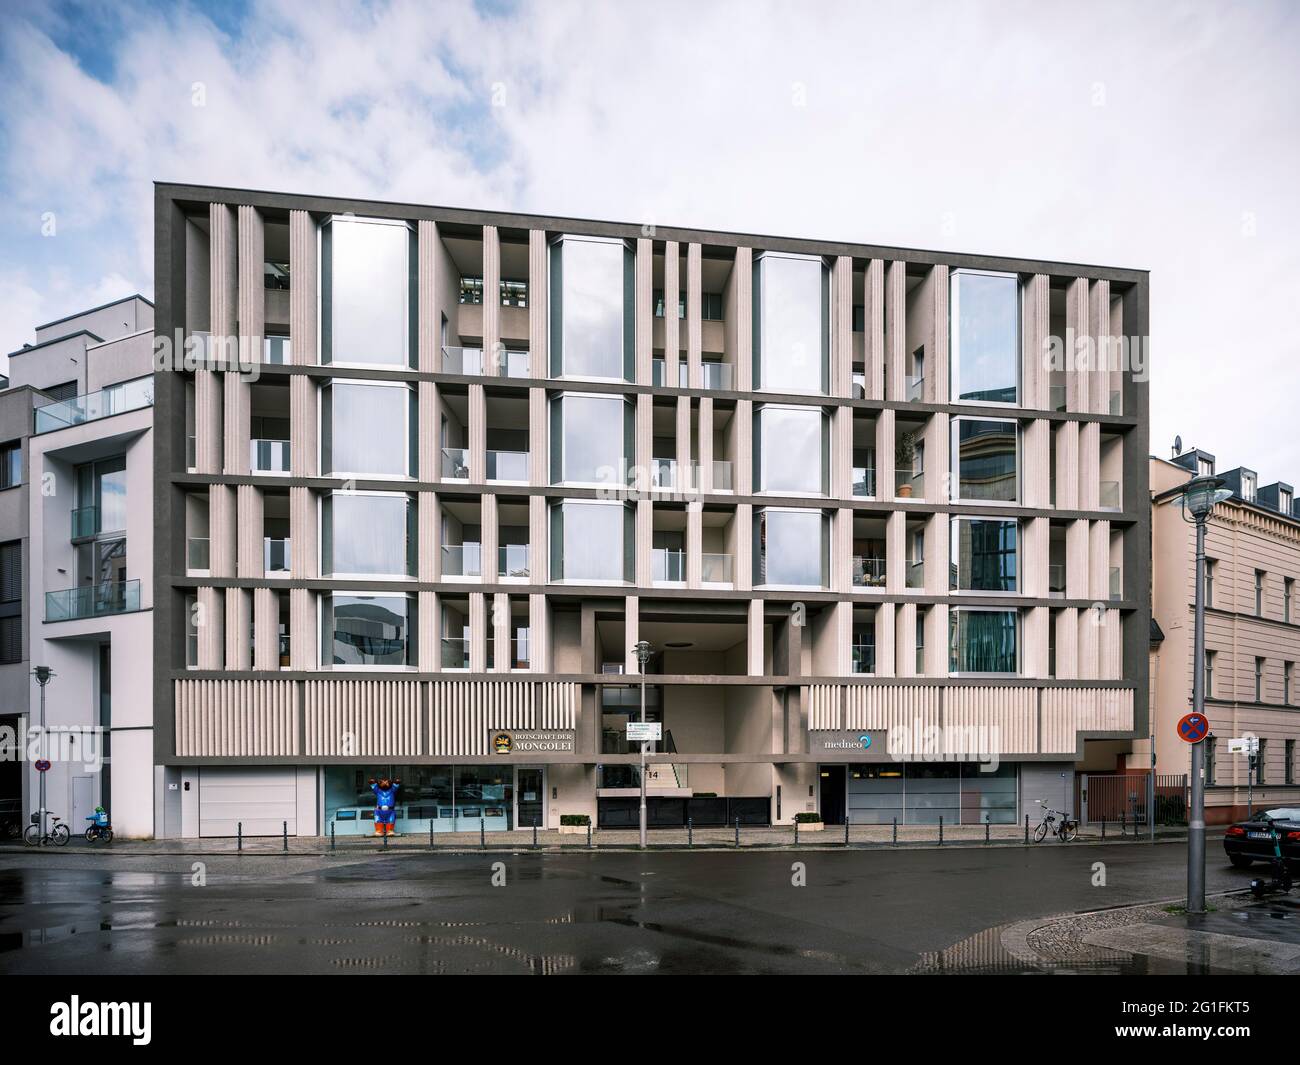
(1248, 487)
(1284, 501)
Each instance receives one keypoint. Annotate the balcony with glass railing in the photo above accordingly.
(516, 364)
(859, 385)
(1116, 401)
(519, 651)
(663, 473)
(465, 361)
(864, 481)
(92, 601)
(115, 399)
(191, 453)
(659, 373)
(1056, 581)
(717, 569)
(1056, 397)
(723, 478)
(276, 351)
(716, 375)
(507, 466)
(191, 650)
(269, 456)
(667, 565)
(1108, 495)
(868, 572)
(512, 561)
(455, 653)
(275, 554)
(909, 484)
(1116, 583)
(462, 560)
(915, 573)
(455, 464)
(198, 553)
(85, 523)
(863, 657)
(914, 388)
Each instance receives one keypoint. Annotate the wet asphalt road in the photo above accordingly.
(867, 911)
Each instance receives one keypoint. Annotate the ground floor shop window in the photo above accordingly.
(468, 798)
(919, 793)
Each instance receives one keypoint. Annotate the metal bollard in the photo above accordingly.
(737, 831)
(941, 830)
(385, 839)
(588, 835)
(1026, 828)
(796, 831)
(690, 832)
(986, 829)
(285, 830)
(431, 832)
(331, 835)
(534, 833)
(482, 832)
(847, 819)
(239, 836)
(895, 831)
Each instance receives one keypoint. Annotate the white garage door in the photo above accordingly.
(262, 799)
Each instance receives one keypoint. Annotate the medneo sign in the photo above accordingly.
(861, 745)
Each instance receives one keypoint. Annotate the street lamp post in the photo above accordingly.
(42, 675)
(642, 651)
(1200, 494)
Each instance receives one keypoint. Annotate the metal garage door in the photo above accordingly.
(262, 799)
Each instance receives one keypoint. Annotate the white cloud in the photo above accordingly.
(1131, 136)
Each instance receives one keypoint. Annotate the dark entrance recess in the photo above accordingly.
(832, 794)
(670, 811)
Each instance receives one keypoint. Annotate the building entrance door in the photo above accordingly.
(831, 779)
(530, 796)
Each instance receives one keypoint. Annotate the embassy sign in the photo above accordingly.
(531, 741)
(849, 745)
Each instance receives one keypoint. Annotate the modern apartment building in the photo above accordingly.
(76, 537)
(892, 561)
(1252, 634)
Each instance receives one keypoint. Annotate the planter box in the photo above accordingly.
(573, 830)
(810, 826)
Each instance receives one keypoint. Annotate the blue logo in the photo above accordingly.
(865, 740)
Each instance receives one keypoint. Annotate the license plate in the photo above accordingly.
(1259, 835)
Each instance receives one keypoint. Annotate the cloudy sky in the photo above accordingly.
(1160, 136)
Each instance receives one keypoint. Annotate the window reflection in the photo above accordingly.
(982, 641)
(591, 542)
(984, 555)
(368, 428)
(791, 323)
(590, 439)
(985, 330)
(367, 533)
(591, 308)
(367, 630)
(791, 547)
(367, 309)
(985, 459)
(791, 450)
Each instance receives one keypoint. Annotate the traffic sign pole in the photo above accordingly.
(1196, 819)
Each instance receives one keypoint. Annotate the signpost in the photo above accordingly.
(1249, 746)
(644, 731)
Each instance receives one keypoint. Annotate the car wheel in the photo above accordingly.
(1240, 861)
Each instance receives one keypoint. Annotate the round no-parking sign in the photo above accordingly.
(1193, 728)
(42, 764)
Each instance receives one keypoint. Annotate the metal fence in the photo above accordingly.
(1132, 798)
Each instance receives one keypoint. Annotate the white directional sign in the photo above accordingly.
(644, 732)
(1244, 745)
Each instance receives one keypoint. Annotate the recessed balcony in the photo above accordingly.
(512, 562)
(462, 560)
(868, 572)
(455, 653)
(461, 360)
(717, 569)
(1108, 495)
(507, 466)
(667, 566)
(915, 573)
(455, 464)
(198, 554)
(275, 554)
(269, 456)
(914, 388)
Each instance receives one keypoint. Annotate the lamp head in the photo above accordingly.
(42, 675)
(1200, 495)
(642, 650)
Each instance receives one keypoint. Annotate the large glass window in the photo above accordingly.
(368, 533)
(592, 542)
(983, 641)
(984, 555)
(592, 300)
(984, 330)
(791, 323)
(985, 460)
(361, 629)
(791, 547)
(792, 450)
(591, 439)
(368, 428)
(368, 304)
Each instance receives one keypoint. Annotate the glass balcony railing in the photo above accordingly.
(191, 650)
(864, 657)
(914, 388)
(198, 553)
(467, 361)
(667, 565)
(1056, 397)
(663, 473)
(909, 484)
(864, 481)
(1116, 401)
(716, 375)
(275, 554)
(722, 476)
(455, 464)
(191, 454)
(1056, 581)
(717, 569)
(455, 653)
(115, 399)
(92, 601)
(519, 651)
(1108, 497)
(462, 560)
(868, 572)
(1116, 583)
(920, 660)
(512, 561)
(268, 456)
(659, 373)
(859, 385)
(915, 573)
(507, 465)
(276, 351)
(85, 522)
(516, 364)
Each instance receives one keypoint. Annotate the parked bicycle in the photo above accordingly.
(1056, 822)
(57, 835)
(99, 831)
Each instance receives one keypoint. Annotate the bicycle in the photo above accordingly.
(1066, 830)
(58, 835)
(99, 834)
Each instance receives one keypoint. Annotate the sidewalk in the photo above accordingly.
(781, 837)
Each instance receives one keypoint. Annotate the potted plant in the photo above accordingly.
(574, 824)
(809, 822)
(904, 456)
